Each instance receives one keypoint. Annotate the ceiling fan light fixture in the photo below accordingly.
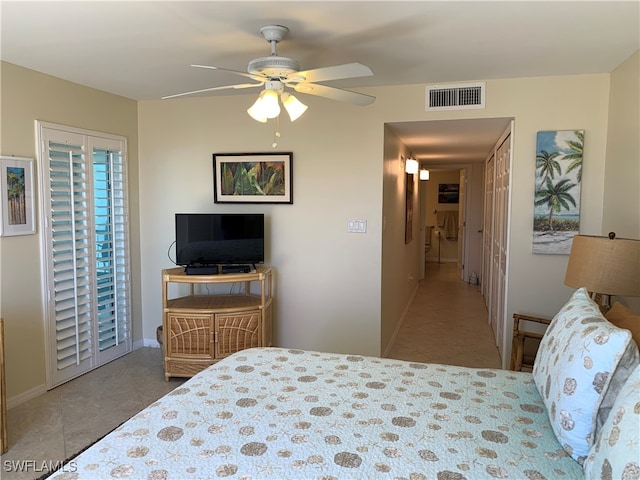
(266, 106)
(294, 107)
(269, 104)
(256, 112)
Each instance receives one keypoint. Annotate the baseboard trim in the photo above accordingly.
(442, 260)
(146, 342)
(26, 396)
(387, 350)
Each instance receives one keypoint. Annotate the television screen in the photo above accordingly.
(219, 238)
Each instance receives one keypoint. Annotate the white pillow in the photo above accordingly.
(616, 453)
(576, 365)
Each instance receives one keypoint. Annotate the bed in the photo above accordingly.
(275, 413)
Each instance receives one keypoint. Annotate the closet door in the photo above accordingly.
(496, 238)
(487, 229)
(500, 245)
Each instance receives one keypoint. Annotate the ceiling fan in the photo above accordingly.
(276, 73)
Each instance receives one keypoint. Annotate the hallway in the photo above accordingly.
(446, 323)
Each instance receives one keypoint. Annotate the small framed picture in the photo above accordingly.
(448, 192)
(253, 177)
(17, 202)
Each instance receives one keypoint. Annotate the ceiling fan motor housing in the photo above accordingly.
(273, 67)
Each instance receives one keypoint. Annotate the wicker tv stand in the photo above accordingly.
(200, 329)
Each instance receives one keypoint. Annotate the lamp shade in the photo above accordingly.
(256, 112)
(266, 106)
(424, 174)
(269, 105)
(411, 166)
(609, 266)
(294, 107)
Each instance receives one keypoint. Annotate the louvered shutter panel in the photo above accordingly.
(112, 247)
(70, 304)
(85, 235)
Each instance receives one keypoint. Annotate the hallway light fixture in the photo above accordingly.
(267, 105)
(411, 166)
(424, 174)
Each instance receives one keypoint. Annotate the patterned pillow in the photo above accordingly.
(616, 453)
(576, 365)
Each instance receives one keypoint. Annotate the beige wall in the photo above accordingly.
(399, 269)
(327, 293)
(621, 211)
(335, 291)
(28, 96)
(330, 294)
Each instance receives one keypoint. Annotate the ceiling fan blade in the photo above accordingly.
(334, 93)
(252, 76)
(226, 87)
(348, 70)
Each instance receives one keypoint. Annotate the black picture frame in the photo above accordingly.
(448, 193)
(253, 177)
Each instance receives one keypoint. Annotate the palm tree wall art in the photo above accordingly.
(16, 199)
(556, 217)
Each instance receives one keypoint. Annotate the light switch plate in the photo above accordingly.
(357, 226)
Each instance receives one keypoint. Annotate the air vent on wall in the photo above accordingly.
(455, 97)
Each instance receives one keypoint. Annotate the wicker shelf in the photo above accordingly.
(525, 343)
(198, 330)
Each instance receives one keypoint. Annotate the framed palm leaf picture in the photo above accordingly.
(556, 218)
(253, 177)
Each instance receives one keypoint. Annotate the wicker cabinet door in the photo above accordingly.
(189, 340)
(236, 331)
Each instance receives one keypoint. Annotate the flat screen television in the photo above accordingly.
(209, 239)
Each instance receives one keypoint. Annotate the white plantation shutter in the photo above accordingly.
(111, 247)
(86, 249)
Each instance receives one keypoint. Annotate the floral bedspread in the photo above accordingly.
(271, 413)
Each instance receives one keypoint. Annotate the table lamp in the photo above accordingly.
(605, 266)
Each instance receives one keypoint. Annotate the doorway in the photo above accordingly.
(451, 214)
(460, 148)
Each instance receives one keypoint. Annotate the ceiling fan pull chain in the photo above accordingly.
(276, 132)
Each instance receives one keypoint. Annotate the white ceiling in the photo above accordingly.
(142, 50)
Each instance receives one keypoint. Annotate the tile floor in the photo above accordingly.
(446, 323)
(59, 423)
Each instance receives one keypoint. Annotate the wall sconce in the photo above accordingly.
(424, 174)
(411, 166)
